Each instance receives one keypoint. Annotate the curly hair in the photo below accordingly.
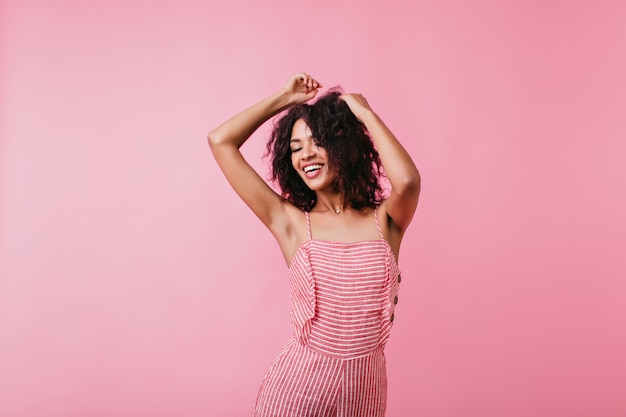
(349, 147)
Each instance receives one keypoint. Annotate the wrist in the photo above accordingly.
(282, 99)
(366, 116)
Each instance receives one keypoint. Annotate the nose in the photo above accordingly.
(309, 149)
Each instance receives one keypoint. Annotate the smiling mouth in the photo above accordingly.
(309, 169)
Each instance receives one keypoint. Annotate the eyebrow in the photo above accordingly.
(310, 136)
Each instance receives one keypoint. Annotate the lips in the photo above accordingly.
(312, 170)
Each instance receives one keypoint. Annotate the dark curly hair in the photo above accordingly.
(348, 145)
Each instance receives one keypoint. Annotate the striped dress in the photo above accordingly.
(344, 296)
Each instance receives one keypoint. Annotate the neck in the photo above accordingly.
(329, 202)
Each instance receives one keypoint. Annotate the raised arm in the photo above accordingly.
(399, 167)
(226, 139)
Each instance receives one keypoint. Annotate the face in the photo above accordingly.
(310, 160)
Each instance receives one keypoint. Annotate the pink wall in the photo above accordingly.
(135, 283)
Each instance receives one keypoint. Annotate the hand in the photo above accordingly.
(301, 88)
(358, 104)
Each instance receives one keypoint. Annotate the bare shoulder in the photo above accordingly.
(390, 229)
(297, 221)
(290, 230)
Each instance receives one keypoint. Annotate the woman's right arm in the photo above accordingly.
(226, 139)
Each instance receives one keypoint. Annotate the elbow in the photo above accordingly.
(213, 139)
(409, 184)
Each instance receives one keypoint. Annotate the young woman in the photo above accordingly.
(340, 237)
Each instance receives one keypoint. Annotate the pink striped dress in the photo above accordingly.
(344, 296)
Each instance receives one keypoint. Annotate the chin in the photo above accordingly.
(323, 187)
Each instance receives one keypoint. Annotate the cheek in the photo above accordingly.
(332, 169)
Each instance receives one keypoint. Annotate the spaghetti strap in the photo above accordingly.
(380, 232)
(308, 224)
(343, 297)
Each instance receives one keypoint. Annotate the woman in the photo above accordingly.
(339, 236)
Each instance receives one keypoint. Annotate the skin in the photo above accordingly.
(287, 222)
(305, 152)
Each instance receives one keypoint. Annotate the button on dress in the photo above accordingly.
(343, 301)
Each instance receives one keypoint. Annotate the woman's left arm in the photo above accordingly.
(399, 167)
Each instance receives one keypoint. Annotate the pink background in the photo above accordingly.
(135, 283)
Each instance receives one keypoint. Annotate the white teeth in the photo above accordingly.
(311, 168)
